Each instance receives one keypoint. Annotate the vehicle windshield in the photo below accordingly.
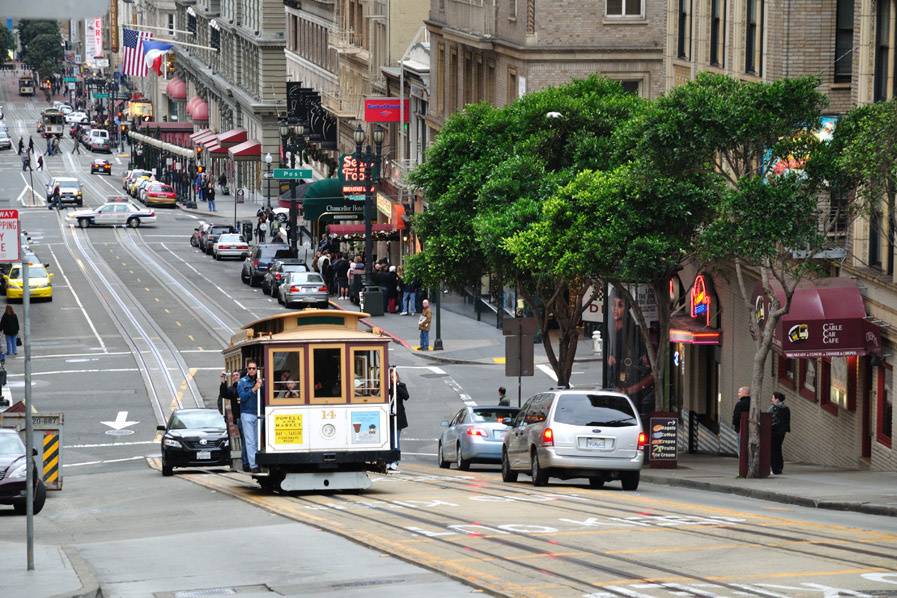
(311, 277)
(501, 416)
(11, 444)
(69, 186)
(230, 238)
(33, 272)
(191, 420)
(594, 410)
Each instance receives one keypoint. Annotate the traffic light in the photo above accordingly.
(199, 149)
(120, 115)
(200, 169)
(124, 129)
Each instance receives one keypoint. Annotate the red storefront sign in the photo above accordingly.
(383, 110)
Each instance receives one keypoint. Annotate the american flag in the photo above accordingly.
(132, 59)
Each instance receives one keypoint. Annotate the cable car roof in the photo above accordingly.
(329, 323)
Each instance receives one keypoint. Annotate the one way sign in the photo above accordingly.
(10, 242)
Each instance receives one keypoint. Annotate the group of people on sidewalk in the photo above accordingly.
(204, 187)
(781, 424)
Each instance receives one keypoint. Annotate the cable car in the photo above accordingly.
(53, 122)
(325, 415)
(26, 86)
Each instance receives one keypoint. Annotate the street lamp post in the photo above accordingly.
(268, 160)
(372, 162)
(292, 141)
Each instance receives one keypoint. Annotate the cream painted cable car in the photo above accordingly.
(325, 417)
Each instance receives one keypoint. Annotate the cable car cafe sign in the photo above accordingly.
(354, 175)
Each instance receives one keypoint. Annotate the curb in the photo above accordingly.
(90, 586)
(856, 507)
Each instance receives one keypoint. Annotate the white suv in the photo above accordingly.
(581, 433)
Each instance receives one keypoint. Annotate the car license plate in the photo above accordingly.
(595, 443)
(204, 455)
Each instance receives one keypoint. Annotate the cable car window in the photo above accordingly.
(286, 369)
(367, 368)
(327, 374)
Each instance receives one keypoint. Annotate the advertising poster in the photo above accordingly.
(662, 438)
(627, 365)
(365, 427)
(288, 428)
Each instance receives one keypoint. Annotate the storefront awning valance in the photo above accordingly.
(827, 319)
(164, 145)
(216, 150)
(690, 331)
(250, 150)
(198, 134)
(201, 139)
(232, 137)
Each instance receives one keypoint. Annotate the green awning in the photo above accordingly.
(326, 197)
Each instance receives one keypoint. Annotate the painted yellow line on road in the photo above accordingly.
(176, 322)
(498, 360)
(182, 389)
(190, 336)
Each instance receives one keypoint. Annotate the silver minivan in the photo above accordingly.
(579, 433)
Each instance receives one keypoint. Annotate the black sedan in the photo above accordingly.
(13, 471)
(194, 438)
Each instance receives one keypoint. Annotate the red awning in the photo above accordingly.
(358, 228)
(210, 141)
(691, 331)
(232, 137)
(827, 319)
(203, 138)
(248, 150)
(199, 133)
(216, 149)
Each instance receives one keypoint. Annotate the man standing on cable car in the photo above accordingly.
(248, 389)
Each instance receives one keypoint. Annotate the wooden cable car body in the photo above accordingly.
(325, 414)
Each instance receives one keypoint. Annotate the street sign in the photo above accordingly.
(70, 79)
(519, 356)
(292, 174)
(518, 326)
(10, 240)
(355, 197)
(100, 95)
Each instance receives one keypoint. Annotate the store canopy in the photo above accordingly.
(357, 228)
(326, 197)
(248, 150)
(201, 140)
(163, 145)
(827, 319)
(199, 134)
(687, 330)
(232, 137)
(216, 150)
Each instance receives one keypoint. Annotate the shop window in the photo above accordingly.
(327, 374)
(808, 379)
(839, 384)
(787, 371)
(717, 31)
(624, 8)
(285, 377)
(367, 372)
(884, 406)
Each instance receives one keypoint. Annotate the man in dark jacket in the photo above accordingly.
(400, 391)
(742, 406)
(781, 425)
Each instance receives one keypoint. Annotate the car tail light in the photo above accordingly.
(477, 432)
(323, 289)
(277, 276)
(642, 439)
(294, 289)
(547, 437)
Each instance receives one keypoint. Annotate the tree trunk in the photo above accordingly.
(660, 365)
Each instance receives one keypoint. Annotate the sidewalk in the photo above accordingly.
(58, 571)
(464, 340)
(225, 208)
(869, 492)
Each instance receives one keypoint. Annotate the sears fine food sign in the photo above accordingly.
(9, 236)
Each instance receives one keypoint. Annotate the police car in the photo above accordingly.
(116, 211)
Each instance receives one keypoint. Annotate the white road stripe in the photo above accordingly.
(546, 369)
(76, 446)
(106, 461)
(78, 301)
(63, 355)
(103, 371)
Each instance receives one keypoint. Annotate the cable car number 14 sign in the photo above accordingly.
(10, 241)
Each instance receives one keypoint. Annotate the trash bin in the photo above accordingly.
(246, 230)
(372, 300)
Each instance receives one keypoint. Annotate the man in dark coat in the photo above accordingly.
(781, 425)
(398, 389)
(742, 406)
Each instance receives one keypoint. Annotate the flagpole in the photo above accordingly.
(133, 26)
(175, 42)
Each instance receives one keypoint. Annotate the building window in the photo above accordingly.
(884, 50)
(512, 86)
(787, 371)
(684, 32)
(170, 24)
(624, 8)
(753, 49)
(884, 406)
(875, 238)
(808, 379)
(633, 87)
(839, 384)
(844, 42)
(512, 9)
(717, 32)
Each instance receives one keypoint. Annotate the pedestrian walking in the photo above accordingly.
(77, 146)
(742, 406)
(341, 271)
(30, 145)
(409, 297)
(26, 163)
(40, 162)
(398, 390)
(249, 388)
(503, 399)
(262, 228)
(55, 199)
(781, 425)
(210, 196)
(423, 324)
(21, 145)
(9, 324)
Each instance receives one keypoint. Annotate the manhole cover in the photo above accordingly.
(119, 432)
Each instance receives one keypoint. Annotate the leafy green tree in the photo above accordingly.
(44, 53)
(7, 43)
(486, 176)
(30, 29)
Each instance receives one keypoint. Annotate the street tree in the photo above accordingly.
(7, 43)
(44, 53)
(768, 226)
(29, 29)
(486, 177)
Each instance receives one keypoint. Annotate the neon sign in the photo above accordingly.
(699, 300)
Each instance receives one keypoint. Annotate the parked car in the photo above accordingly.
(140, 185)
(258, 262)
(194, 438)
(5, 141)
(158, 194)
(13, 471)
(118, 211)
(198, 233)
(304, 288)
(102, 166)
(474, 435)
(40, 282)
(212, 234)
(576, 434)
(277, 272)
(131, 175)
(230, 245)
(69, 190)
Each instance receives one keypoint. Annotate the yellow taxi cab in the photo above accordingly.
(132, 186)
(40, 281)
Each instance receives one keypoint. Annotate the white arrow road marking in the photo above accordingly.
(121, 421)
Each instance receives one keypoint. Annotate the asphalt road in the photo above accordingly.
(135, 329)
